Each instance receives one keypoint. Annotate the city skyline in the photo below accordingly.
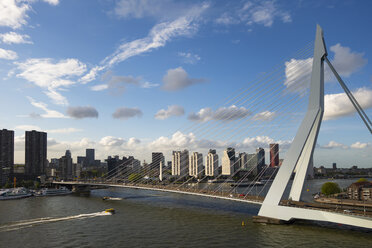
(121, 81)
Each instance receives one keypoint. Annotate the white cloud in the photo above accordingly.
(140, 8)
(50, 76)
(264, 116)
(80, 112)
(177, 79)
(160, 9)
(224, 114)
(297, 74)
(99, 87)
(189, 58)
(298, 71)
(64, 130)
(117, 84)
(15, 38)
(177, 141)
(338, 105)
(334, 144)
(27, 127)
(13, 13)
(227, 19)
(148, 85)
(345, 61)
(126, 113)
(262, 141)
(259, 12)
(111, 141)
(110, 145)
(48, 113)
(91, 75)
(37, 128)
(173, 110)
(132, 142)
(8, 54)
(359, 145)
(159, 35)
(52, 2)
(19, 142)
(185, 24)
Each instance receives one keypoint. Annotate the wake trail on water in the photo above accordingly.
(39, 221)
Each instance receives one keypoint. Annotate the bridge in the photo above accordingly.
(271, 193)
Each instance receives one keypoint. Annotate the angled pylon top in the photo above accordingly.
(317, 76)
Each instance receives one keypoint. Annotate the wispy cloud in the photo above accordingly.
(159, 9)
(148, 85)
(255, 12)
(37, 128)
(159, 36)
(189, 58)
(48, 112)
(99, 87)
(51, 76)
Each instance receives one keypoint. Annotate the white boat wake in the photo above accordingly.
(33, 222)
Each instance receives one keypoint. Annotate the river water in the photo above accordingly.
(159, 219)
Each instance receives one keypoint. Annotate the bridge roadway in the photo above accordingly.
(226, 196)
(221, 195)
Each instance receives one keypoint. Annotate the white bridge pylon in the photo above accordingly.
(300, 154)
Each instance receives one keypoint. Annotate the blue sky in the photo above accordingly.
(131, 77)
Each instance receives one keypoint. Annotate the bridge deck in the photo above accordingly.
(231, 197)
(220, 195)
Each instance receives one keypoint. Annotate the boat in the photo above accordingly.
(246, 184)
(16, 193)
(107, 198)
(53, 192)
(110, 210)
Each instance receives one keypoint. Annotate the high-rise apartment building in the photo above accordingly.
(35, 153)
(260, 158)
(196, 165)
(65, 163)
(242, 161)
(228, 162)
(112, 165)
(274, 155)
(252, 163)
(211, 164)
(180, 163)
(6, 155)
(156, 158)
(89, 156)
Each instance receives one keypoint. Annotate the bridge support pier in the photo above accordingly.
(81, 189)
(268, 220)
